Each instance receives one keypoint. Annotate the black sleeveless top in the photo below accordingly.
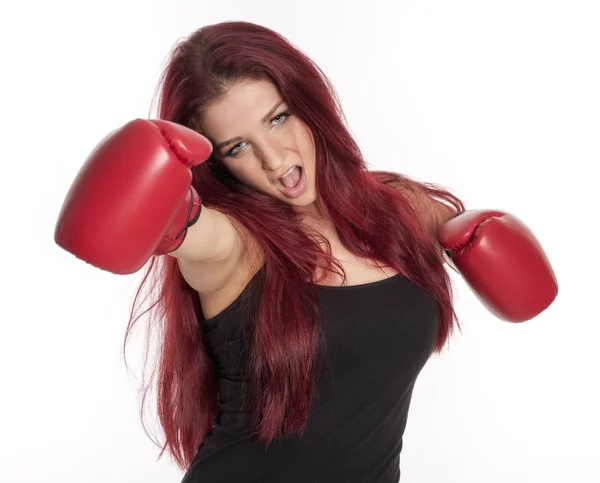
(378, 337)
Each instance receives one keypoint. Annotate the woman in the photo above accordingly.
(304, 293)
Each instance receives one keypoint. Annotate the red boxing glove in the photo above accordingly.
(133, 196)
(502, 261)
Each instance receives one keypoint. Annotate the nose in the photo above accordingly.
(272, 153)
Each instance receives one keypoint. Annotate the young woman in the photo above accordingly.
(302, 293)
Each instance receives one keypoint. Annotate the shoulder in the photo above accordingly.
(218, 275)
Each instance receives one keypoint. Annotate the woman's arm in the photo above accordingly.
(432, 212)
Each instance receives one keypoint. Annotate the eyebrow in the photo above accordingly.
(263, 120)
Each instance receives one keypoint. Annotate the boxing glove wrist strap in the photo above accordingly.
(191, 218)
(172, 239)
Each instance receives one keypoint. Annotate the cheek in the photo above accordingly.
(305, 140)
(255, 178)
(310, 161)
(307, 151)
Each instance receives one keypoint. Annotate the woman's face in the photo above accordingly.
(257, 138)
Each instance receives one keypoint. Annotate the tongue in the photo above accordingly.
(291, 180)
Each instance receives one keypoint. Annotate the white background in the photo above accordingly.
(499, 101)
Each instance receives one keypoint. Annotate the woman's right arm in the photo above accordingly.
(133, 199)
(210, 253)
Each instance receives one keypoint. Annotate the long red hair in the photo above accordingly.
(373, 219)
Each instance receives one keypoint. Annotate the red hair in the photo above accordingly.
(373, 219)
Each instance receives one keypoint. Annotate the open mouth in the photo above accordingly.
(291, 178)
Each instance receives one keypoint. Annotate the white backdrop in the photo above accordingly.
(498, 101)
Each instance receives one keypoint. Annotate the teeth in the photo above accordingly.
(288, 172)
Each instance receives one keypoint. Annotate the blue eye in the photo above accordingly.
(232, 152)
(283, 115)
(281, 118)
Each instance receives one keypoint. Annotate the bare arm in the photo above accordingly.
(210, 253)
(432, 212)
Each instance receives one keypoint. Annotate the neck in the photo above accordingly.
(315, 213)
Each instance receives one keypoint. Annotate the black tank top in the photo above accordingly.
(378, 336)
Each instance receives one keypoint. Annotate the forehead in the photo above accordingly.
(244, 104)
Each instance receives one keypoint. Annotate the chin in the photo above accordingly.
(308, 200)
